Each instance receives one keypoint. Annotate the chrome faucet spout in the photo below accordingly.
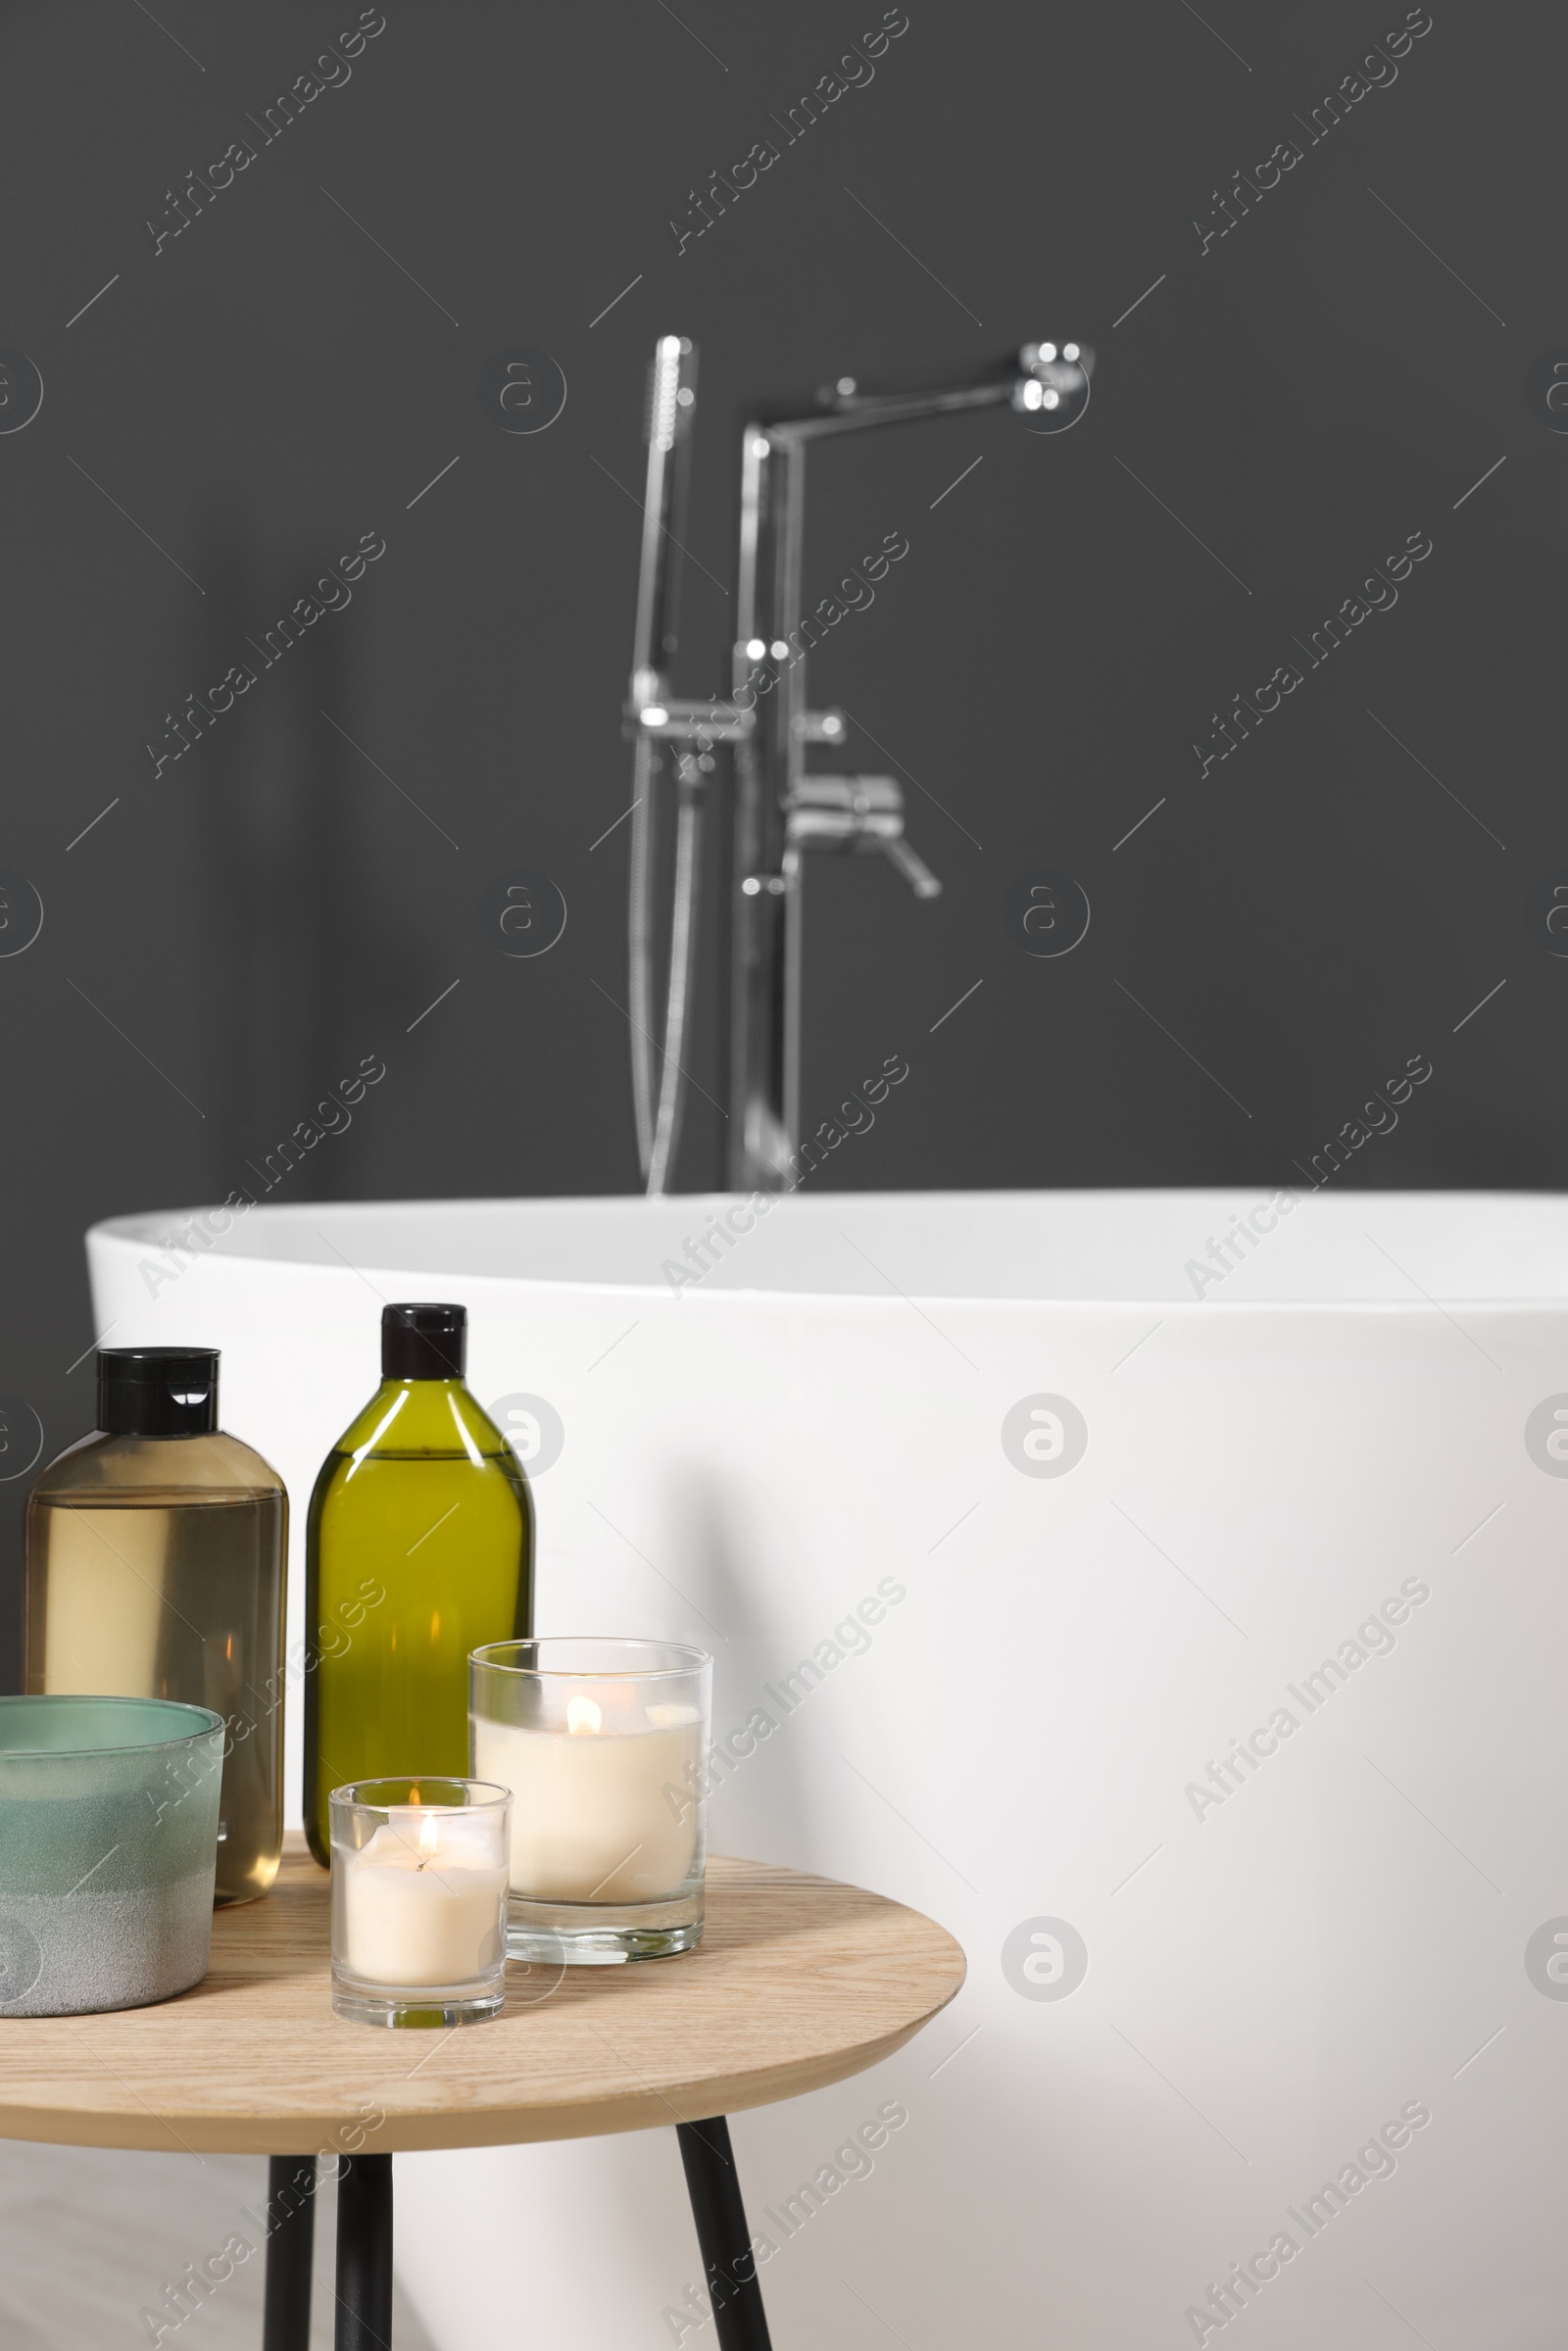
(763, 726)
(1039, 379)
(779, 810)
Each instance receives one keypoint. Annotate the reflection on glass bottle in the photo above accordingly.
(419, 1549)
(154, 1569)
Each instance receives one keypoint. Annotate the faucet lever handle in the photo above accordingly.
(822, 726)
(857, 813)
(913, 867)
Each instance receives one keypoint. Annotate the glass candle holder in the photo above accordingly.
(418, 1900)
(603, 1745)
(108, 1851)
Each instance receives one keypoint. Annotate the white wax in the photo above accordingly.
(599, 1816)
(414, 1918)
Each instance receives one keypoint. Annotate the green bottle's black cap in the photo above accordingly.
(158, 1391)
(424, 1343)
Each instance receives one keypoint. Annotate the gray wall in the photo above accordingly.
(1289, 403)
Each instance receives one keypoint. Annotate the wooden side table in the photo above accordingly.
(797, 1983)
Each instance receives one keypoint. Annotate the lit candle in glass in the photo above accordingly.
(418, 1900)
(602, 1743)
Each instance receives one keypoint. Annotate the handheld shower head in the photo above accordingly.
(658, 1039)
(667, 416)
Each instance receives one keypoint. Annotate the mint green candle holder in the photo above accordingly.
(108, 1851)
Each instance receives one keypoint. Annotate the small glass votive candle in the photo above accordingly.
(418, 1900)
(603, 1745)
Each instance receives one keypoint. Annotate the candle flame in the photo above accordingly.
(583, 1715)
(430, 1833)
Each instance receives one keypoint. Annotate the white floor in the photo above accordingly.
(90, 2239)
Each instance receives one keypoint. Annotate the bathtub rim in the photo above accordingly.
(142, 1229)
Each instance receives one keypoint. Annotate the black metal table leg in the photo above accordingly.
(290, 2244)
(364, 2254)
(728, 2262)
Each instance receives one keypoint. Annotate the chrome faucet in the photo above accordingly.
(765, 727)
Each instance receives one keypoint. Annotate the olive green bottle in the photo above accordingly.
(419, 1549)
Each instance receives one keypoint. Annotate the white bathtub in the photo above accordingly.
(1025, 1734)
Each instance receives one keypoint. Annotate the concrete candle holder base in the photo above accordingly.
(108, 1858)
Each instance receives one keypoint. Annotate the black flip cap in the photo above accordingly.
(424, 1343)
(158, 1391)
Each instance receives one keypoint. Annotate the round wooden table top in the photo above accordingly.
(798, 1982)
